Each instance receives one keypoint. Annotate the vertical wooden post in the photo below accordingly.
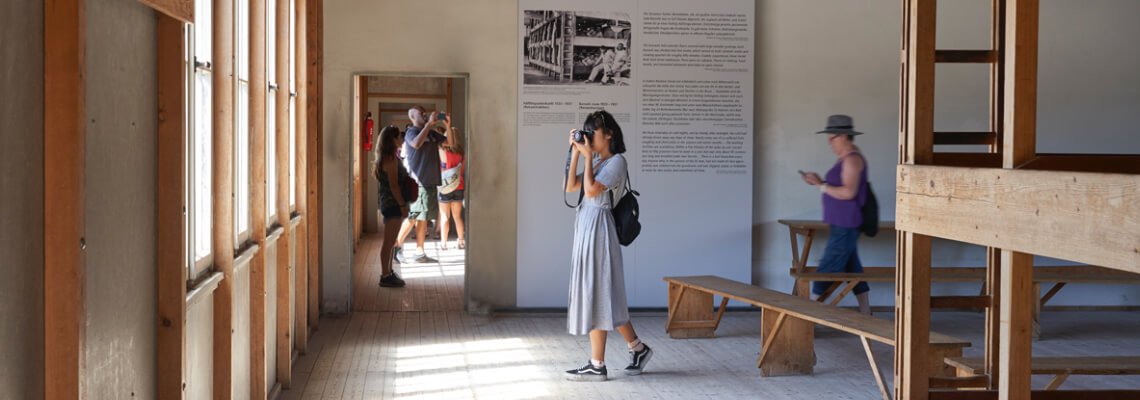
(223, 196)
(997, 73)
(912, 316)
(258, 274)
(65, 195)
(314, 27)
(172, 250)
(301, 269)
(916, 146)
(360, 107)
(284, 347)
(993, 314)
(1019, 145)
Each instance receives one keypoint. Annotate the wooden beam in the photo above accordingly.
(314, 75)
(406, 95)
(65, 194)
(1020, 142)
(360, 107)
(997, 74)
(959, 302)
(223, 196)
(284, 300)
(912, 316)
(1083, 217)
(1103, 163)
(1015, 349)
(171, 181)
(962, 138)
(182, 10)
(258, 274)
(964, 56)
(301, 270)
(975, 381)
(993, 314)
(918, 75)
(1038, 395)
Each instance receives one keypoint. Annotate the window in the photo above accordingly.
(241, 130)
(293, 105)
(200, 162)
(271, 113)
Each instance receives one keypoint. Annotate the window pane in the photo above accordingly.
(202, 164)
(203, 30)
(242, 39)
(241, 153)
(292, 151)
(271, 40)
(271, 158)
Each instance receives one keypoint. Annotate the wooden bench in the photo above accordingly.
(1059, 367)
(1057, 275)
(691, 315)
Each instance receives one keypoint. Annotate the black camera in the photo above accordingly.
(441, 116)
(580, 136)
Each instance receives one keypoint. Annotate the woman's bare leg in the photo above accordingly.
(390, 231)
(444, 224)
(598, 345)
(457, 215)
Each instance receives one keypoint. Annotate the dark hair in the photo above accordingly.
(386, 147)
(851, 138)
(602, 119)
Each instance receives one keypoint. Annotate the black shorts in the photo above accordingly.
(455, 195)
(392, 213)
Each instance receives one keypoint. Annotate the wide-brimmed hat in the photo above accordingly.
(840, 124)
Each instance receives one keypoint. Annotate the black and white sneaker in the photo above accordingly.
(392, 280)
(398, 255)
(587, 373)
(638, 359)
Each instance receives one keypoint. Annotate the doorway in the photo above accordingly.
(435, 278)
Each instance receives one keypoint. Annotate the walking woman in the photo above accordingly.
(597, 282)
(451, 203)
(844, 191)
(393, 207)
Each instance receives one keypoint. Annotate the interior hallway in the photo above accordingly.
(432, 286)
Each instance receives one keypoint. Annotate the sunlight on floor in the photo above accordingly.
(484, 369)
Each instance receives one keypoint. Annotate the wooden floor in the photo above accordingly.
(433, 286)
(414, 343)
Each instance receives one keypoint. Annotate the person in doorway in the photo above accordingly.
(597, 283)
(844, 191)
(451, 204)
(421, 152)
(393, 206)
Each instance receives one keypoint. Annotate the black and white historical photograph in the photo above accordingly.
(576, 48)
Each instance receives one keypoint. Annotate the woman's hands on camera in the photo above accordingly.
(580, 147)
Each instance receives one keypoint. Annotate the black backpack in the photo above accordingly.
(870, 226)
(626, 213)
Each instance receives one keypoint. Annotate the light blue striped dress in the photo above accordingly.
(597, 279)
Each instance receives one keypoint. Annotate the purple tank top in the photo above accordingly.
(845, 213)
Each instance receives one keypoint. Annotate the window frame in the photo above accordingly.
(242, 120)
(198, 266)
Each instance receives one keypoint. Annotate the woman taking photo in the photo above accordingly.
(597, 282)
(393, 207)
(451, 203)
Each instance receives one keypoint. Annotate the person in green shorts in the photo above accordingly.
(421, 153)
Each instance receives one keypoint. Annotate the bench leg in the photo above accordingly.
(788, 345)
(938, 365)
(690, 313)
(843, 293)
(1057, 381)
(965, 373)
(875, 368)
(1037, 310)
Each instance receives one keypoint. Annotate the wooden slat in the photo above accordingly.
(182, 10)
(258, 274)
(1052, 292)
(819, 225)
(972, 274)
(997, 74)
(942, 382)
(959, 301)
(301, 270)
(171, 180)
(314, 76)
(918, 101)
(965, 56)
(1103, 163)
(961, 138)
(877, 329)
(1107, 365)
(1037, 395)
(875, 368)
(993, 312)
(223, 189)
(1015, 347)
(912, 316)
(1082, 217)
(973, 160)
(284, 298)
(65, 191)
(1020, 141)
(407, 95)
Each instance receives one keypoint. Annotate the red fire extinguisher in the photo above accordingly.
(368, 133)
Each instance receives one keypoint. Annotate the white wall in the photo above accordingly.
(813, 58)
(21, 199)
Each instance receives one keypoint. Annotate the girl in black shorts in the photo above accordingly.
(393, 207)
